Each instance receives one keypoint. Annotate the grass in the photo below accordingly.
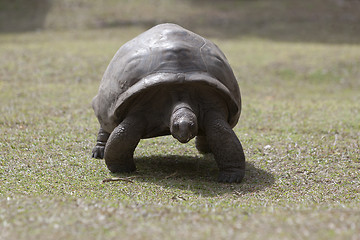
(299, 128)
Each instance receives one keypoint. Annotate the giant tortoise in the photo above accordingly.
(169, 80)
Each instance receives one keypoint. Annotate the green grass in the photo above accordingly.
(300, 129)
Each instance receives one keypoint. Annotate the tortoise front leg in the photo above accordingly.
(226, 148)
(201, 145)
(98, 150)
(120, 147)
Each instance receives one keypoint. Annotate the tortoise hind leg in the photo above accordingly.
(201, 145)
(98, 150)
(121, 145)
(226, 148)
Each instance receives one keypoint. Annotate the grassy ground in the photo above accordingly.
(299, 128)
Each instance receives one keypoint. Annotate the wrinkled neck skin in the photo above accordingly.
(181, 106)
(183, 122)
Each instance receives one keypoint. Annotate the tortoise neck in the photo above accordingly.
(182, 105)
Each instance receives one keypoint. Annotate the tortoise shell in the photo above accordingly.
(165, 54)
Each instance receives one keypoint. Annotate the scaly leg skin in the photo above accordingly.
(226, 148)
(98, 150)
(120, 147)
(201, 145)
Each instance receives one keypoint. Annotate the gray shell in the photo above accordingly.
(165, 54)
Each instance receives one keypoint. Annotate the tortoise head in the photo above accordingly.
(183, 123)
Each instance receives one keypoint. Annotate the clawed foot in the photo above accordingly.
(234, 176)
(98, 152)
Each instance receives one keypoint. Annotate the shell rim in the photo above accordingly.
(161, 78)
